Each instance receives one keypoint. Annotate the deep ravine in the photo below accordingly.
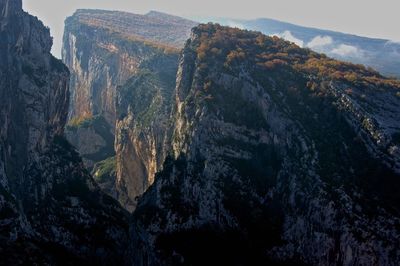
(116, 58)
(234, 148)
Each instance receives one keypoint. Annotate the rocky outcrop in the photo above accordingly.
(51, 210)
(280, 156)
(98, 64)
(93, 137)
(143, 126)
(106, 50)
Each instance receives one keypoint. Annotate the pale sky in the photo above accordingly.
(379, 19)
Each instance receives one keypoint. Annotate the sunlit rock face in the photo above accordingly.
(51, 210)
(279, 156)
(143, 129)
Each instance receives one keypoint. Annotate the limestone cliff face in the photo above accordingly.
(51, 211)
(104, 51)
(99, 62)
(281, 155)
(143, 127)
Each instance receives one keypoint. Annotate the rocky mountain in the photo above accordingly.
(108, 53)
(383, 55)
(280, 156)
(107, 50)
(51, 210)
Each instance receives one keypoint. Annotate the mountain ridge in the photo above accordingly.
(287, 179)
(378, 53)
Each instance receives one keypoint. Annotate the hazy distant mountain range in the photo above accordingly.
(383, 55)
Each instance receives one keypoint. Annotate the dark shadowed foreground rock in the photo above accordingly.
(51, 210)
(280, 156)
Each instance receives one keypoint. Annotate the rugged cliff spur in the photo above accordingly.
(51, 210)
(280, 156)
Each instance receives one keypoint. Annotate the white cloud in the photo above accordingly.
(346, 50)
(394, 47)
(390, 42)
(235, 25)
(287, 35)
(320, 41)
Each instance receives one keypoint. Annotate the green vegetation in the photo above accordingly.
(145, 85)
(233, 48)
(153, 85)
(104, 171)
(81, 121)
(355, 74)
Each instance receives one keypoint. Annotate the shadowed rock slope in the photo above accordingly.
(51, 210)
(280, 155)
